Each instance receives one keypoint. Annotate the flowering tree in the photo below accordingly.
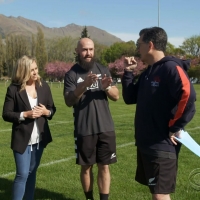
(57, 69)
(117, 68)
(194, 70)
(195, 62)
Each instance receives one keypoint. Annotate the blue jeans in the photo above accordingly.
(26, 167)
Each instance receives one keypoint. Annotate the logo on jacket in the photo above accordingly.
(155, 82)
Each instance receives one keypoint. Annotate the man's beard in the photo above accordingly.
(84, 64)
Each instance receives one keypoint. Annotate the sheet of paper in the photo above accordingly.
(189, 142)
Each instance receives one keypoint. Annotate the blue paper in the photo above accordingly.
(189, 142)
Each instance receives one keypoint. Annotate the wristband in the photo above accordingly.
(108, 88)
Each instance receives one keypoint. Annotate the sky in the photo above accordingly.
(122, 18)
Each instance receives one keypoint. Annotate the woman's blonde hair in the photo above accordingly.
(22, 72)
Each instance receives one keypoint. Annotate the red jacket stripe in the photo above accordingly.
(184, 98)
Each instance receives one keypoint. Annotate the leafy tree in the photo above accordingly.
(194, 71)
(16, 46)
(84, 33)
(41, 53)
(33, 45)
(117, 50)
(5, 69)
(61, 49)
(172, 50)
(57, 70)
(192, 45)
(179, 51)
(98, 49)
(2, 56)
(21, 46)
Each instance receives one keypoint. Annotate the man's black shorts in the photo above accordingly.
(158, 173)
(98, 148)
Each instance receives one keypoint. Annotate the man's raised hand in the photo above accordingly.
(130, 63)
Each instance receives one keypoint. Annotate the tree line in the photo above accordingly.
(56, 56)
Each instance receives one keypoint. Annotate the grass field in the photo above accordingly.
(58, 175)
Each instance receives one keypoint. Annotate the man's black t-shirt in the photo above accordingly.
(91, 113)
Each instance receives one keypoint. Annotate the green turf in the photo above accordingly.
(58, 176)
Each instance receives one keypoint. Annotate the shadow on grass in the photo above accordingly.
(40, 194)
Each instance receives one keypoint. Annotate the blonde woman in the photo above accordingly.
(28, 104)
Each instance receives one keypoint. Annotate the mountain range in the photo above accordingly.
(26, 27)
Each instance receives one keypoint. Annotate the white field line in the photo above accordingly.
(61, 160)
(72, 157)
(190, 129)
(50, 124)
(65, 122)
(5, 130)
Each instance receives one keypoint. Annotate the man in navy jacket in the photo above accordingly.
(165, 104)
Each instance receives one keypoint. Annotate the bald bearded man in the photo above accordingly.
(87, 87)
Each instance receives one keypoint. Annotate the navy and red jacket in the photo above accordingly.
(165, 102)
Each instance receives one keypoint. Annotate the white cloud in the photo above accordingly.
(176, 41)
(84, 13)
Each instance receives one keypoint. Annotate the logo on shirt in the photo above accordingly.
(151, 181)
(99, 76)
(93, 86)
(80, 80)
(155, 82)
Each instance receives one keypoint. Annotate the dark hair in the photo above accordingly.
(156, 35)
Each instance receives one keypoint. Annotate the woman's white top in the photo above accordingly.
(35, 136)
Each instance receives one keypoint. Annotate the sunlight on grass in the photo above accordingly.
(58, 175)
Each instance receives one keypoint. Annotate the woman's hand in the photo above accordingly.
(42, 109)
(33, 114)
(36, 112)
